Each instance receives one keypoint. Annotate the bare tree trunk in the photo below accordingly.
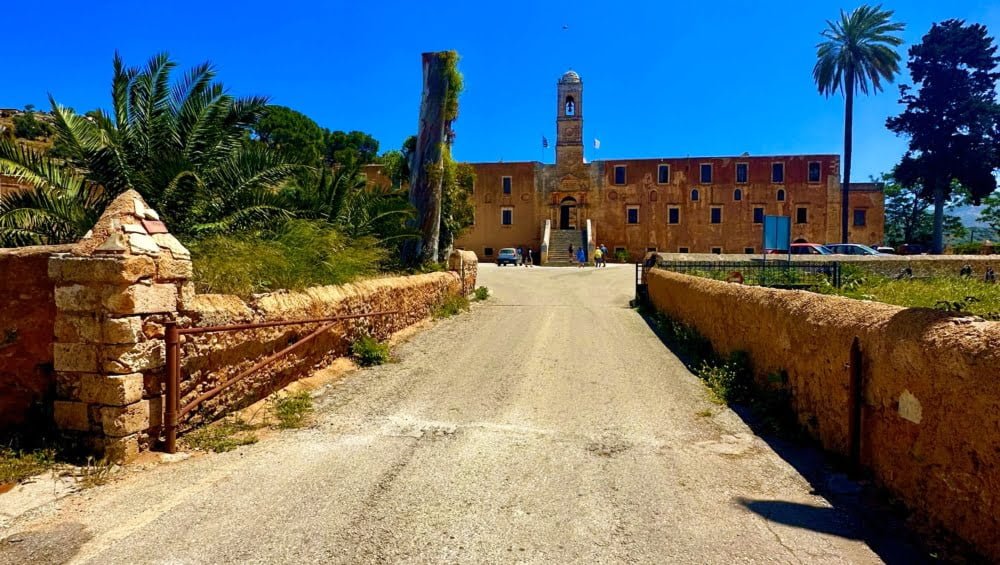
(937, 244)
(427, 164)
(848, 149)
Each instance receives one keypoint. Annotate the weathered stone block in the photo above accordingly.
(70, 415)
(143, 299)
(185, 297)
(167, 241)
(121, 449)
(119, 421)
(111, 390)
(142, 243)
(156, 412)
(122, 330)
(78, 298)
(135, 358)
(77, 327)
(79, 357)
(173, 269)
(115, 270)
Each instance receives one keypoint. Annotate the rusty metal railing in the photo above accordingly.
(174, 411)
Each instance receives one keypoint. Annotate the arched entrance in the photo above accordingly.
(567, 213)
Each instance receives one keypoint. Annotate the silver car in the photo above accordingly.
(851, 249)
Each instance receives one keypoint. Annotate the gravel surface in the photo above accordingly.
(548, 425)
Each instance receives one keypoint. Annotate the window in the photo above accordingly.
(758, 215)
(814, 171)
(682, 250)
(507, 216)
(717, 250)
(748, 250)
(737, 195)
(506, 184)
(781, 195)
(777, 172)
(694, 195)
(706, 173)
(570, 106)
(860, 217)
(632, 215)
(716, 214)
(488, 251)
(620, 251)
(801, 215)
(650, 250)
(663, 174)
(673, 215)
(742, 173)
(620, 174)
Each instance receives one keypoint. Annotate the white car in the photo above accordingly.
(850, 249)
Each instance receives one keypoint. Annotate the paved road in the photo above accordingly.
(549, 425)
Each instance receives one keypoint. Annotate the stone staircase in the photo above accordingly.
(559, 242)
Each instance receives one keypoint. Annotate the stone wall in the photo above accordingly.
(889, 265)
(931, 412)
(210, 359)
(26, 325)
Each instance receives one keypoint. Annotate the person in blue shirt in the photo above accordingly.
(581, 257)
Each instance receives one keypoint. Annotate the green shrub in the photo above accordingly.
(368, 351)
(296, 255)
(292, 410)
(225, 435)
(19, 465)
(451, 306)
(482, 293)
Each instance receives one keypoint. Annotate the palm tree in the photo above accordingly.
(858, 53)
(184, 145)
(59, 206)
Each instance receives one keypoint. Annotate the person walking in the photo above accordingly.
(571, 255)
(604, 256)
(530, 262)
(520, 256)
(581, 258)
(598, 257)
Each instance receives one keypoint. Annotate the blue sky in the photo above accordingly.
(702, 78)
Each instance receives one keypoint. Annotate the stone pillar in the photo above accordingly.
(112, 294)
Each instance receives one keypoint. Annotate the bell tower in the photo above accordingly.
(569, 121)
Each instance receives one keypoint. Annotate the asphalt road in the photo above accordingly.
(548, 425)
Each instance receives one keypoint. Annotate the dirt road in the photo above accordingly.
(549, 425)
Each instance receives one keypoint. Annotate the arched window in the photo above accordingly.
(781, 195)
(737, 195)
(694, 195)
(653, 196)
(570, 106)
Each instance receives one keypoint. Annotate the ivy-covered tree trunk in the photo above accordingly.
(427, 164)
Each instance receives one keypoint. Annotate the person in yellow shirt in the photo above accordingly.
(598, 257)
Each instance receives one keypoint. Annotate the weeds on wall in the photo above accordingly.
(729, 379)
(368, 351)
(292, 410)
(297, 255)
(451, 306)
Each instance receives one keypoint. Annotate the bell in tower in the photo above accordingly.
(569, 120)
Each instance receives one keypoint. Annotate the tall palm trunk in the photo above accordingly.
(848, 148)
(427, 163)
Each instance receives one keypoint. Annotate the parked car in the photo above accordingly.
(850, 249)
(911, 249)
(802, 249)
(508, 256)
(886, 250)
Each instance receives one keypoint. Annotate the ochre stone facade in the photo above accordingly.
(572, 191)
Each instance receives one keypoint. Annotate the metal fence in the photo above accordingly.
(771, 273)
